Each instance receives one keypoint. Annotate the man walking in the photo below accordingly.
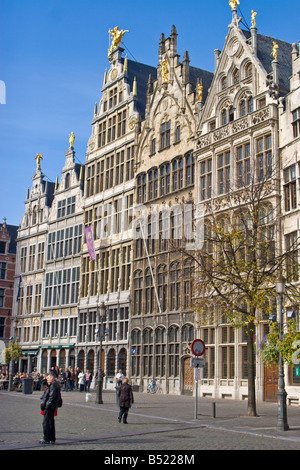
(51, 400)
(126, 400)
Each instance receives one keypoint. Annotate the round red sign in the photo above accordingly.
(198, 347)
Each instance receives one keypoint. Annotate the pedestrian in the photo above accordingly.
(126, 400)
(88, 380)
(51, 400)
(81, 381)
(119, 380)
(72, 379)
(66, 377)
(76, 377)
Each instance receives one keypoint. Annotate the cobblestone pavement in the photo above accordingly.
(156, 423)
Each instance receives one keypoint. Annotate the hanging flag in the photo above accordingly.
(20, 280)
(90, 242)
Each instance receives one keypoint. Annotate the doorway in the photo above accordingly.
(271, 383)
(188, 377)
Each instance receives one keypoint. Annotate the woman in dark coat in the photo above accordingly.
(126, 400)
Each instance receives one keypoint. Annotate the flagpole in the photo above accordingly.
(151, 270)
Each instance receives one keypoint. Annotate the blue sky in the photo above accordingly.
(53, 57)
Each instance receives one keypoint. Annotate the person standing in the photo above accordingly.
(119, 380)
(51, 400)
(126, 400)
(81, 381)
(88, 380)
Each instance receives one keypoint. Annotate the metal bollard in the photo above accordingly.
(213, 409)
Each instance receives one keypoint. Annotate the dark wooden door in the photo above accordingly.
(188, 376)
(271, 383)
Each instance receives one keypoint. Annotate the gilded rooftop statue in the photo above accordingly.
(116, 36)
(38, 159)
(234, 4)
(71, 139)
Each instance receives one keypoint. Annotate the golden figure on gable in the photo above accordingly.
(38, 159)
(71, 139)
(274, 52)
(253, 18)
(200, 91)
(116, 36)
(164, 70)
(234, 4)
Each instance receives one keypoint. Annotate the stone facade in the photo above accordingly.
(165, 140)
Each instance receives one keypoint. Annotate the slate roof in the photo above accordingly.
(264, 50)
(207, 78)
(141, 72)
(13, 232)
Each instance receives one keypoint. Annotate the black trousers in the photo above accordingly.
(49, 426)
(123, 412)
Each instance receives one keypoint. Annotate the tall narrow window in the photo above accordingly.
(264, 158)
(165, 135)
(206, 179)
(243, 165)
(290, 188)
(224, 173)
(296, 122)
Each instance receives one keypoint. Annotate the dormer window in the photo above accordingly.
(235, 77)
(67, 181)
(246, 106)
(165, 135)
(248, 70)
(223, 83)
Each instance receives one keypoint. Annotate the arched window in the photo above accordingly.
(235, 76)
(34, 215)
(165, 179)
(223, 83)
(153, 183)
(188, 333)
(141, 188)
(111, 363)
(138, 292)
(149, 291)
(67, 181)
(248, 70)
(148, 352)
(177, 169)
(160, 351)
(135, 352)
(189, 169)
(175, 286)
(174, 351)
(246, 106)
(162, 287)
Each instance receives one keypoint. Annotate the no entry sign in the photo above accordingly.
(198, 347)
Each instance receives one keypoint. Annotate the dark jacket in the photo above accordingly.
(51, 397)
(126, 395)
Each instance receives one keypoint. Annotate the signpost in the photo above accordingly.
(198, 362)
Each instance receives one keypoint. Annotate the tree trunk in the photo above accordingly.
(251, 370)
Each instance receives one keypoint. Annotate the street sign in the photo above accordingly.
(197, 373)
(297, 371)
(198, 347)
(198, 362)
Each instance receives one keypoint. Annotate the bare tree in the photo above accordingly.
(241, 257)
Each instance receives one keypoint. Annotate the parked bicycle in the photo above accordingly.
(153, 386)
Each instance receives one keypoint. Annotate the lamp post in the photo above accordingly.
(282, 423)
(100, 332)
(11, 362)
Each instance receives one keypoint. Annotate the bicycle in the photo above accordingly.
(153, 387)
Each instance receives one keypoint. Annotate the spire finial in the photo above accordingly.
(134, 88)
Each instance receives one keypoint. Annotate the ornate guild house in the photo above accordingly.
(167, 144)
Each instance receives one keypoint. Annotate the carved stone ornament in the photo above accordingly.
(132, 122)
(113, 74)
